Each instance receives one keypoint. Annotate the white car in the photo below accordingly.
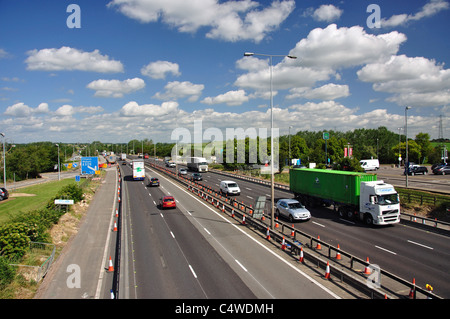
(182, 171)
(292, 209)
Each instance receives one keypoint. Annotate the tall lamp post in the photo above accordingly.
(4, 160)
(59, 171)
(406, 136)
(272, 195)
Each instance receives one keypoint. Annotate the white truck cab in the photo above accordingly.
(379, 203)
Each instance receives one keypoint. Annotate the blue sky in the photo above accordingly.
(139, 69)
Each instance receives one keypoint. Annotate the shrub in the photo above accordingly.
(7, 273)
(14, 239)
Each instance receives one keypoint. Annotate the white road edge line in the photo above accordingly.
(263, 246)
(237, 261)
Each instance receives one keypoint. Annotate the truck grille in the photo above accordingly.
(392, 211)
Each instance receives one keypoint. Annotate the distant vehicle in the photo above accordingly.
(167, 202)
(124, 156)
(370, 164)
(182, 171)
(145, 156)
(111, 159)
(442, 170)
(414, 170)
(229, 188)
(353, 195)
(197, 164)
(292, 209)
(171, 164)
(3, 193)
(153, 181)
(196, 177)
(138, 170)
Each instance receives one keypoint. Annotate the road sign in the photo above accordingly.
(89, 165)
(77, 178)
(63, 201)
(326, 135)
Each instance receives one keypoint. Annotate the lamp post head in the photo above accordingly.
(248, 54)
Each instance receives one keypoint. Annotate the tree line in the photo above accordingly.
(30, 160)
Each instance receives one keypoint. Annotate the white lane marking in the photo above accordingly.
(418, 244)
(207, 231)
(318, 224)
(245, 269)
(172, 234)
(389, 251)
(193, 272)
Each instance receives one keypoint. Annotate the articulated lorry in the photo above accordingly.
(138, 170)
(352, 194)
(197, 164)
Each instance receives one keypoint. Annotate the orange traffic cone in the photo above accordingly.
(243, 219)
(292, 231)
(283, 244)
(413, 289)
(268, 234)
(318, 247)
(276, 222)
(115, 226)
(367, 269)
(300, 259)
(110, 268)
(327, 271)
(338, 254)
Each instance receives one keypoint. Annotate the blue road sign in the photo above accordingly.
(77, 178)
(89, 165)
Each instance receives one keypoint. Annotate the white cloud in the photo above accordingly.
(227, 20)
(66, 58)
(431, 8)
(327, 12)
(68, 110)
(19, 110)
(328, 91)
(159, 69)
(133, 109)
(176, 90)
(231, 98)
(116, 88)
(413, 81)
(335, 47)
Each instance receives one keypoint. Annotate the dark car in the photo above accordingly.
(442, 170)
(3, 193)
(153, 182)
(414, 170)
(196, 177)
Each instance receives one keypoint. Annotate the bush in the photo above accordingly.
(7, 273)
(14, 240)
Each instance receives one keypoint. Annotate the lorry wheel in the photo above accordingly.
(368, 219)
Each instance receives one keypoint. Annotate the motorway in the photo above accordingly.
(194, 252)
(402, 250)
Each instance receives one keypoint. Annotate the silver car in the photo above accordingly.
(292, 209)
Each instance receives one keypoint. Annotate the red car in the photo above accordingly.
(167, 202)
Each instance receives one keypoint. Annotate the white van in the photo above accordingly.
(229, 188)
(370, 164)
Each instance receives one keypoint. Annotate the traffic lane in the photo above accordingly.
(406, 252)
(159, 269)
(260, 267)
(215, 277)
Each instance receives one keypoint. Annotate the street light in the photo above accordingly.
(4, 160)
(406, 136)
(272, 194)
(59, 172)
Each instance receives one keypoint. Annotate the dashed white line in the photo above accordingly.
(245, 269)
(418, 244)
(193, 272)
(386, 250)
(207, 231)
(172, 234)
(318, 224)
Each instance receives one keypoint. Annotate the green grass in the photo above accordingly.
(18, 205)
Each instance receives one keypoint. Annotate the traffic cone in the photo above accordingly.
(232, 212)
(276, 222)
(117, 212)
(268, 234)
(292, 231)
(319, 246)
(223, 208)
(115, 226)
(327, 271)
(367, 269)
(300, 259)
(413, 288)
(283, 244)
(110, 268)
(243, 219)
(338, 254)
